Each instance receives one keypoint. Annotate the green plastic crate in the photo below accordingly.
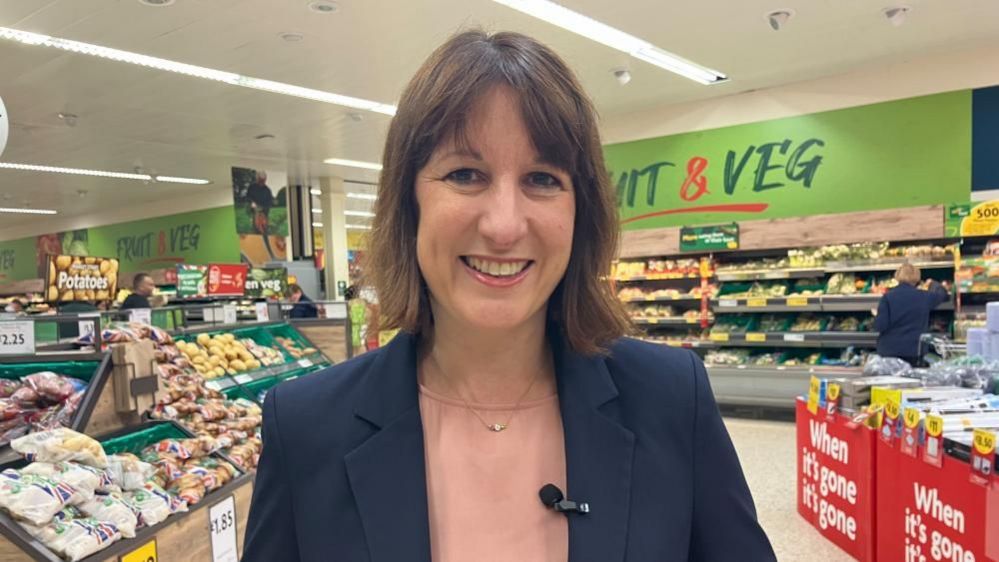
(83, 370)
(136, 441)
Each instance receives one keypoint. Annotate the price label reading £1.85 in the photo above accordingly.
(222, 523)
(17, 338)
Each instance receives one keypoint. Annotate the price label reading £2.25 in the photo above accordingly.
(222, 526)
(17, 338)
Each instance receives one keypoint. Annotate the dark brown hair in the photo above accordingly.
(562, 124)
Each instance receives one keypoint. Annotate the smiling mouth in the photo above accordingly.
(498, 269)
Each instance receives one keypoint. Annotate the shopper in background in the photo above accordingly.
(494, 226)
(903, 314)
(142, 288)
(304, 307)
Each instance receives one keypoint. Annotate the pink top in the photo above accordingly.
(482, 486)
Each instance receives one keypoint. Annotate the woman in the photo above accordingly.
(903, 314)
(494, 224)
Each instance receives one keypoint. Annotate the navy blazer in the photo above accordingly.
(903, 316)
(342, 475)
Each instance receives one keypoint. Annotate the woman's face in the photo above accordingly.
(496, 223)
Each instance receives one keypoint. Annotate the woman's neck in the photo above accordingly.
(488, 367)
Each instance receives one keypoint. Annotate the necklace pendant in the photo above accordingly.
(497, 427)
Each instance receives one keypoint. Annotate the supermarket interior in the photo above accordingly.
(204, 203)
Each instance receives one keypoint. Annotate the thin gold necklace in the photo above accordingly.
(494, 427)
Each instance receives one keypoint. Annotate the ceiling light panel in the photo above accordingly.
(165, 65)
(354, 163)
(27, 211)
(363, 196)
(101, 173)
(594, 30)
(364, 214)
(358, 227)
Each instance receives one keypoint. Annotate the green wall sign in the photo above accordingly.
(895, 154)
(207, 236)
(709, 238)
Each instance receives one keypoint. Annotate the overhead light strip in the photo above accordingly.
(592, 29)
(28, 38)
(358, 227)
(28, 211)
(317, 225)
(365, 214)
(364, 196)
(354, 163)
(101, 173)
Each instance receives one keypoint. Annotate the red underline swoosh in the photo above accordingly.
(727, 208)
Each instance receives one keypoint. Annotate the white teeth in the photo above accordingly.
(497, 269)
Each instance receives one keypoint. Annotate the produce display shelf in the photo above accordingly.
(829, 267)
(687, 344)
(685, 300)
(678, 321)
(306, 364)
(767, 386)
(796, 339)
(656, 277)
(821, 303)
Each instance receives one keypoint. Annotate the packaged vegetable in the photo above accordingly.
(76, 538)
(150, 503)
(50, 386)
(61, 444)
(26, 397)
(8, 387)
(34, 498)
(110, 508)
(85, 479)
(128, 472)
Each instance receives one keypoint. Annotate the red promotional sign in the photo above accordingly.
(933, 514)
(226, 279)
(836, 480)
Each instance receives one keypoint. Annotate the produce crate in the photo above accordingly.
(94, 368)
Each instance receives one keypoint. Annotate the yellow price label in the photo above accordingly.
(881, 396)
(983, 220)
(893, 409)
(797, 301)
(911, 417)
(756, 301)
(814, 387)
(985, 441)
(756, 337)
(934, 425)
(832, 391)
(145, 553)
(718, 337)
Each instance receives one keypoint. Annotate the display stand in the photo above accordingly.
(835, 483)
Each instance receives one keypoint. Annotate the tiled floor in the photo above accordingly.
(766, 449)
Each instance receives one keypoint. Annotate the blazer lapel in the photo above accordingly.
(599, 454)
(387, 472)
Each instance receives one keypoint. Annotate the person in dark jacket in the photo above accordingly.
(304, 307)
(903, 314)
(142, 288)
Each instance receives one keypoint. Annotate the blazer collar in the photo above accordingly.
(388, 473)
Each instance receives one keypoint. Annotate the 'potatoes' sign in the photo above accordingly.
(78, 278)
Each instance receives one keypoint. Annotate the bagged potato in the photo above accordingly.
(34, 498)
(61, 444)
(110, 508)
(128, 472)
(150, 503)
(75, 539)
(85, 481)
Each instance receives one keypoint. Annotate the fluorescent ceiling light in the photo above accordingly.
(358, 214)
(101, 173)
(231, 78)
(590, 28)
(358, 227)
(27, 211)
(315, 191)
(353, 163)
(365, 196)
(317, 210)
(317, 225)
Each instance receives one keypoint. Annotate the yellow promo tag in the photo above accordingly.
(832, 391)
(934, 425)
(756, 337)
(145, 553)
(892, 409)
(719, 337)
(797, 301)
(756, 301)
(985, 441)
(814, 388)
(911, 417)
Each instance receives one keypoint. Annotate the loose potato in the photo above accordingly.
(203, 339)
(219, 371)
(231, 354)
(214, 360)
(237, 365)
(198, 360)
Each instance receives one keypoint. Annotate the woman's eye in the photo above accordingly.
(542, 179)
(463, 176)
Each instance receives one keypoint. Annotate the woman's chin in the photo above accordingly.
(496, 318)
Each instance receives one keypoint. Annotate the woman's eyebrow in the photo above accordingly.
(462, 153)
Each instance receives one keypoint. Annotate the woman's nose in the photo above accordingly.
(503, 221)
